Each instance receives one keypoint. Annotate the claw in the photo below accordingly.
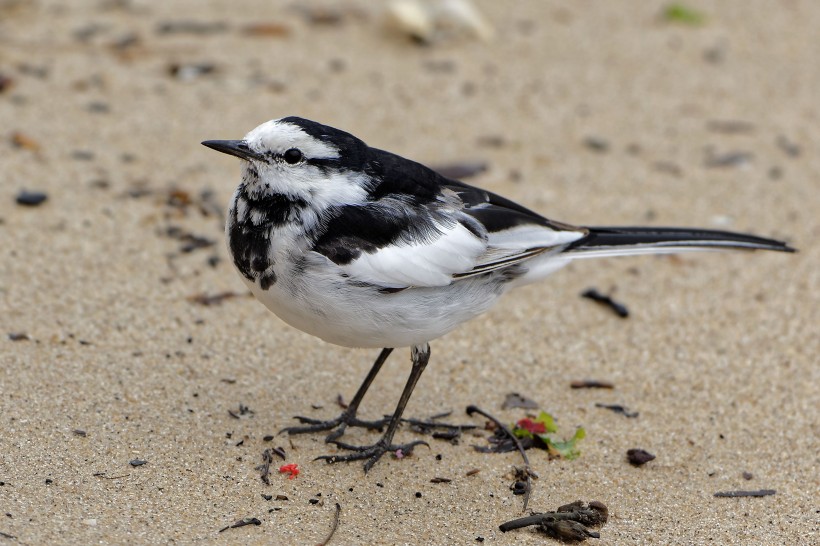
(372, 453)
(340, 423)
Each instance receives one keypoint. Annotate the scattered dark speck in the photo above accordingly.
(200, 28)
(596, 144)
(281, 497)
(591, 384)
(459, 171)
(479, 539)
(788, 147)
(19, 336)
(80, 432)
(515, 400)
(617, 408)
(137, 462)
(314, 501)
(189, 72)
(730, 126)
(727, 159)
(491, 141)
(267, 438)
(418, 494)
(31, 198)
(49, 481)
(748, 475)
(82, 155)
(5, 83)
(98, 107)
(267, 497)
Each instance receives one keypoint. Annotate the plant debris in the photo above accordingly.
(291, 469)
(20, 140)
(618, 308)
(638, 457)
(242, 523)
(335, 525)
(569, 522)
(264, 468)
(440, 480)
(19, 336)
(735, 494)
(541, 428)
(243, 410)
(617, 408)
(503, 430)
(515, 400)
(213, 299)
(266, 30)
(591, 384)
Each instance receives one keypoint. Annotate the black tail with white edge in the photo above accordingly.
(620, 241)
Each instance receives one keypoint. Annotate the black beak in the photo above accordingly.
(239, 148)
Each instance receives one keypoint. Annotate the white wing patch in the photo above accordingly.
(520, 243)
(432, 263)
(456, 254)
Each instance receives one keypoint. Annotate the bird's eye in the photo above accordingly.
(292, 156)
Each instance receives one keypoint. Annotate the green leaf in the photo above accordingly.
(679, 13)
(567, 448)
(548, 421)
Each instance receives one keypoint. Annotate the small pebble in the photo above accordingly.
(638, 457)
(31, 198)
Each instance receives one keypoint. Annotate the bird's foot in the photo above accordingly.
(340, 423)
(372, 453)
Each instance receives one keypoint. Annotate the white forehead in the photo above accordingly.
(277, 136)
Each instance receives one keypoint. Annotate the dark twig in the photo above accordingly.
(734, 494)
(103, 476)
(6, 535)
(471, 409)
(264, 468)
(242, 523)
(618, 308)
(591, 384)
(617, 408)
(334, 527)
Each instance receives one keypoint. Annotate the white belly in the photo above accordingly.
(325, 305)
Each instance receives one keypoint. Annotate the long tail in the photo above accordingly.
(622, 241)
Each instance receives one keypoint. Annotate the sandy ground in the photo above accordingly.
(590, 112)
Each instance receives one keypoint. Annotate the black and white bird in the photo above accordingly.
(363, 248)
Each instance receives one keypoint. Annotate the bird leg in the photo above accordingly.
(348, 416)
(420, 355)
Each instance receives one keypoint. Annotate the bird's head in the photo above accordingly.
(300, 159)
